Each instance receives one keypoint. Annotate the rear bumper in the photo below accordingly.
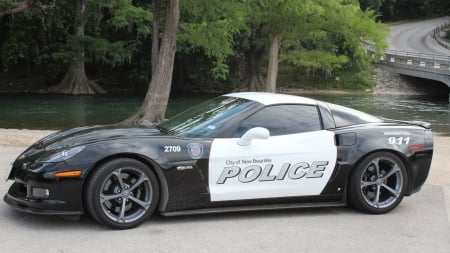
(420, 167)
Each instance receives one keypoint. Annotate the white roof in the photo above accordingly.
(272, 98)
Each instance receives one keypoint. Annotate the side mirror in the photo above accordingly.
(253, 133)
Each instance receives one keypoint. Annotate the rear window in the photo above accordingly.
(344, 116)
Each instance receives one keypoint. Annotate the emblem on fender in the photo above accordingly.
(195, 150)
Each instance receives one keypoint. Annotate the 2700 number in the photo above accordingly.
(171, 149)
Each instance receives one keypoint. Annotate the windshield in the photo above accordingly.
(206, 118)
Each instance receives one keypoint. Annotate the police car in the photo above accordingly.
(240, 151)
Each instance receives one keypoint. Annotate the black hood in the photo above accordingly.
(86, 135)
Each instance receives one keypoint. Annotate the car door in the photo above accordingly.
(297, 159)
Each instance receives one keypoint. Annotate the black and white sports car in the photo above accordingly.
(241, 151)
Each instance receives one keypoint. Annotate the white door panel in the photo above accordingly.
(281, 166)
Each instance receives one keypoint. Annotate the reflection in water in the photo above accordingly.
(60, 112)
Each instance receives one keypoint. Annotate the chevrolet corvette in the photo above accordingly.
(237, 152)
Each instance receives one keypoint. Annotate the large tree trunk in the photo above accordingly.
(253, 78)
(75, 81)
(155, 104)
(155, 36)
(272, 71)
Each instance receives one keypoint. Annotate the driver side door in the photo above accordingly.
(297, 159)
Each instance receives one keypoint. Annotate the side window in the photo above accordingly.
(344, 116)
(283, 119)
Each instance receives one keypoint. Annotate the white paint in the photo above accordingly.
(304, 147)
(273, 98)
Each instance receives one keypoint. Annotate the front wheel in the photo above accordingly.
(122, 193)
(378, 183)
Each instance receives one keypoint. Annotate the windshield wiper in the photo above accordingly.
(167, 131)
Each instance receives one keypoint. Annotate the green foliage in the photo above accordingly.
(351, 80)
(119, 14)
(114, 30)
(374, 5)
(394, 10)
(315, 59)
(211, 26)
(14, 49)
(214, 36)
(323, 34)
(95, 49)
(5, 3)
(282, 16)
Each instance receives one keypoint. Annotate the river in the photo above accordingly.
(60, 112)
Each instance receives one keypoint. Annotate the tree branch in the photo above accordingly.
(20, 7)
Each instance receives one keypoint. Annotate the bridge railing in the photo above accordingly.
(438, 35)
(419, 61)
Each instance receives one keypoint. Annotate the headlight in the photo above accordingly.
(61, 155)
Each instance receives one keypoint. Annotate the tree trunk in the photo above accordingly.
(272, 71)
(155, 104)
(253, 78)
(75, 81)
(155, 37)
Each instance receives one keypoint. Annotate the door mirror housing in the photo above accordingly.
(253, 133)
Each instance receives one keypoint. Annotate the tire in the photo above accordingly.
(122, 193)
(378, 183)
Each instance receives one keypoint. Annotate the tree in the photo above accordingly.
(118, 14)
(153, 109)
(209, 26)
(253, 55)
(315, 34)
(75, 81)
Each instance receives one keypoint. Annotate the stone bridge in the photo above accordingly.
(427, 66)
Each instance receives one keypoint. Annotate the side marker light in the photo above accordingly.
(72, 173)
(418, 147)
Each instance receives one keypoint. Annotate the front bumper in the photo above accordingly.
(35, 193)
(36, 207)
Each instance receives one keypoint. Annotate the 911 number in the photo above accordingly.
(398, 140)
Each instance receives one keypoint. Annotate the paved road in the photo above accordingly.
(416, 37)
(419, 224)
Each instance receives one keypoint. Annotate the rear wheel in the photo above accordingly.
(378, 183)
(122, 193)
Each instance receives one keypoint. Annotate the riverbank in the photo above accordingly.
(21, 137)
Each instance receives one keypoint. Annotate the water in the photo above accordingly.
(61, 112)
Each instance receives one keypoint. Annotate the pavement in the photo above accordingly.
(419, 224)
(417, 37)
